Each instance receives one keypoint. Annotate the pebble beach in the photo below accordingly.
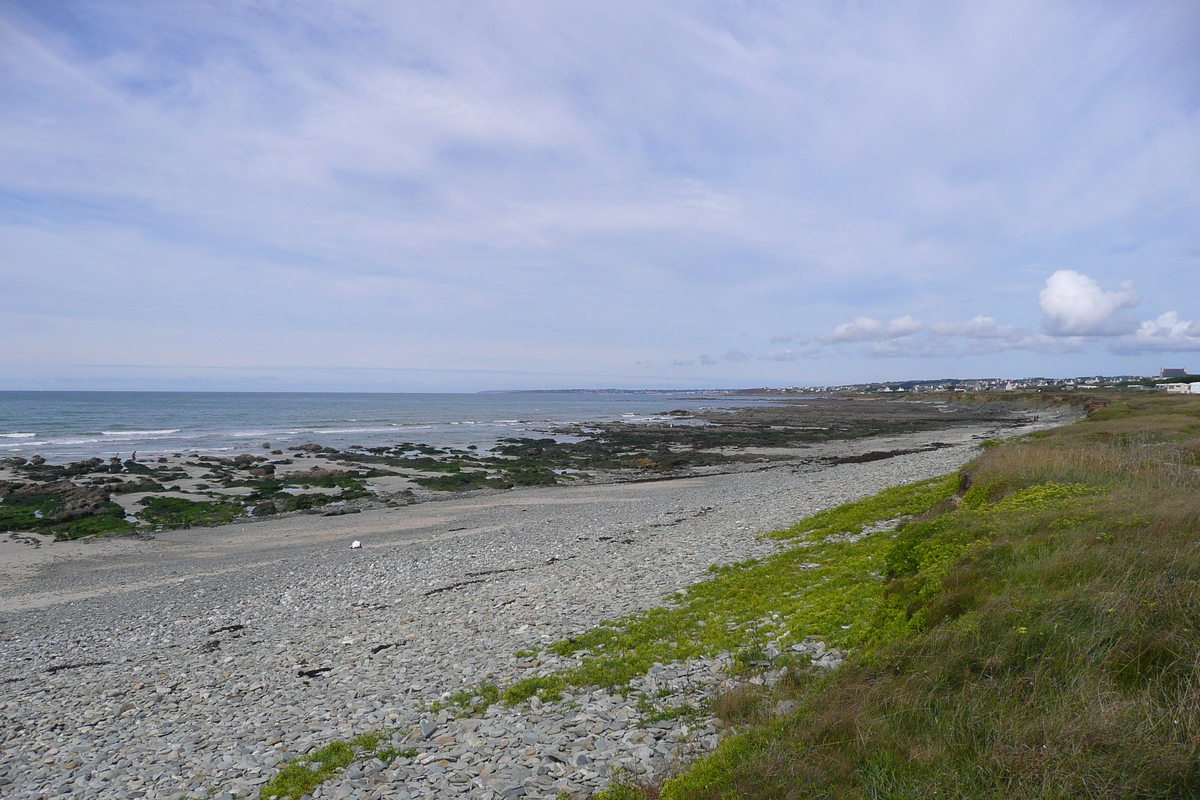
(197, 663)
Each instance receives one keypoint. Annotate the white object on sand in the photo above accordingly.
(356, 546)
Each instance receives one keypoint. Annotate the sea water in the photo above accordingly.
(64, 426)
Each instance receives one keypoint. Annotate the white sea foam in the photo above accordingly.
(242, 422)
(276, 434)
(163, 432)
(348, 430)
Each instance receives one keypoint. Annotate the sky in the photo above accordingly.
(453, 196)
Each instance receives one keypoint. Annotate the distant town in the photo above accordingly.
(1168, 379)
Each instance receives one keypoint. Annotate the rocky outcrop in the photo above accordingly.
(74, 502)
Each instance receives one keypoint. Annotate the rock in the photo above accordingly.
(75, 502)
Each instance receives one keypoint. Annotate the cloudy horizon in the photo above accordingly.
(472, 196)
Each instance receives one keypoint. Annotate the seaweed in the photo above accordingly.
(175, 512)
(61, 508)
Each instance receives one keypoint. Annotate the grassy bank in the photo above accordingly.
(1038, 635)
(1025, 628)
(823, 584)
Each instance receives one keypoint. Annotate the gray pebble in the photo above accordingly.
(319, 644)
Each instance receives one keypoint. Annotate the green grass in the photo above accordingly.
(821, 585)
(390, 754)
(1032, 630)
(908, 500)
(1039, 640)
(738, 609)
(471, 702)
(656, 712)
(303, 775)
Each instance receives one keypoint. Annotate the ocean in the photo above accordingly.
(66, 426)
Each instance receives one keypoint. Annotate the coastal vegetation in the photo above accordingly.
(60, 508)
(303, 775)
(822, 585)
(1025, 627)
(826, 579)
(1035, 636)
(174, 512)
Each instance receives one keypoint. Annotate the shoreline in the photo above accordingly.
(149, 495)
(24, 555)
(381, 632)
(67, 426)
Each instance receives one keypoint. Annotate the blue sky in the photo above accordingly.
(460, 196)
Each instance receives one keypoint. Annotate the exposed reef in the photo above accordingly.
(94, 496)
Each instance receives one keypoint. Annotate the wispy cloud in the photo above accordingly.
(980, 327)
(866, 329)
(784, 354)
(559, 188)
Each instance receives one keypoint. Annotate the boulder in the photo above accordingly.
(75, 502)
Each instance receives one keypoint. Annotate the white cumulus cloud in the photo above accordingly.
(904, 326)
(1168, 332)
(1075, 305)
